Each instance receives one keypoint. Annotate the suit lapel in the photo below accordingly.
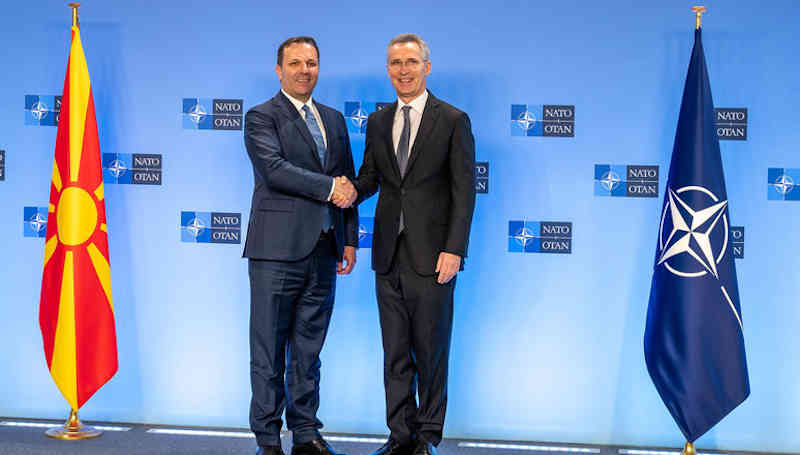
(387, 122)
(429, 116)
(296, 119)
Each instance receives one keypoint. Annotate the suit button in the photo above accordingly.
(402, 191)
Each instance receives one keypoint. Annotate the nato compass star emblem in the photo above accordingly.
(195, 227)
(37, 222)
(691, 232)
(358, 117)
(784, 184)
(362, 232)
(526, 120)
(117, 168)
(524, 236)
(610, 180)
(197, 113)
(39, 110)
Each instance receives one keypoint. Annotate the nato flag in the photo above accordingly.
(693, 342)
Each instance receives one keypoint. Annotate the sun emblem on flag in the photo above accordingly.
(76, 311)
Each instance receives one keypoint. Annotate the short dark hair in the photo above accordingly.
(295, 40)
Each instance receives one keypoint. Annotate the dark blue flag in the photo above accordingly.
(693, 341)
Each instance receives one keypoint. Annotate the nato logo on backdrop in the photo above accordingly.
(731, 123)
(42, 110)
(540, 237)
(625, 180)
(782, 184)
(737, 241)
(34, 221)
(548, 120)
(357, 112)
(481, 177)
(132, 169)
(365, 225)
(2, 165)
(212, 114)
(211, 227)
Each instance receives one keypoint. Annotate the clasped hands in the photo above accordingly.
(344, 193)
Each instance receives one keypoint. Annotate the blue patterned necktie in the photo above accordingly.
(402, 153)
(316, 133)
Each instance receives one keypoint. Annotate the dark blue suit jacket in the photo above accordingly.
(437, 193)
(291, 184)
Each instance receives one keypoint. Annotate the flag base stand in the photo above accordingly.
(73, 430)
(688, 449)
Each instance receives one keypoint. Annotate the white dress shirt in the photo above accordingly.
(310, 103)
(414, 115)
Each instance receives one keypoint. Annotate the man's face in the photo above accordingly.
(407, 70)
(299, 70)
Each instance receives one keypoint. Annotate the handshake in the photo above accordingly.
(344, 193)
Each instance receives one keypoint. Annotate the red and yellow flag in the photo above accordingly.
(76, 312)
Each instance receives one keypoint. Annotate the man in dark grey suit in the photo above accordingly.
(421, 154)
(301, 234)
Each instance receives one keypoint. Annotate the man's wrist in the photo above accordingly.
(333, 186)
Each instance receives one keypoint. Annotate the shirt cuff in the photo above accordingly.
(333, 185)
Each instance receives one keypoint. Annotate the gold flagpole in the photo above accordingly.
(698, 10)
(76, 21)
(73, 429)
(688, 448)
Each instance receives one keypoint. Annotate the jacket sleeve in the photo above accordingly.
(368, 180)
(264, 148)
(350, 213)
(462, 170)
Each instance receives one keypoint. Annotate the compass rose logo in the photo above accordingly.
(784, 184)
(610, 180)
(195, 227)
(357, 113)
(524, 236)
(117, 168)
(358, 118)
(365, 229)
(526, 120)
(34, 222)
(690, 236)
(37, 222)
(39, 110)
(197, 113)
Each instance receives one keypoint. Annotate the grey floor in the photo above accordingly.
(138, 441)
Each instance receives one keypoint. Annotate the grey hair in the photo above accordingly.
(411, 38)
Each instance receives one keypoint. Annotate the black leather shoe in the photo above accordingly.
(315, 447)
(393, 447)
(424, 448)
(269, 450)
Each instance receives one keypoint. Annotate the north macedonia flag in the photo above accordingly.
(76, 313)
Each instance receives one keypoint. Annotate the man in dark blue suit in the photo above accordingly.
(302, 232)
(420, 155)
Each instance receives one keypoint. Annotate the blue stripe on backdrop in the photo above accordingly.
(546, 346)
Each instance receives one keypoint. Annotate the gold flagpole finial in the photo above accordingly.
(75, 19)
(698, 10)
(688, 449)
